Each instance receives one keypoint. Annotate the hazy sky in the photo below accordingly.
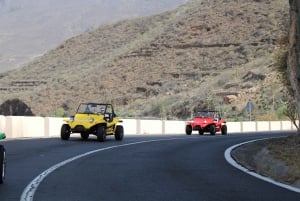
(31, 27)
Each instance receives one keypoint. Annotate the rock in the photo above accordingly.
(229, 99)
(253, 76)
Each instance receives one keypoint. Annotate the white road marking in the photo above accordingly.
(230, 160)
(31, 188)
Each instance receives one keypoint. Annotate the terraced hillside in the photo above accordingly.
(215, 54)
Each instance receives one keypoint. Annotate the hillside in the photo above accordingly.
(29, 28)
(206, 54)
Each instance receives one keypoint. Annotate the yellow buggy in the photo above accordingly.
(93, 118)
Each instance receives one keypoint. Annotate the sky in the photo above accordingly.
(29, 28)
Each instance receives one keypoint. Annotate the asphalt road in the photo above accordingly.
(139, 168)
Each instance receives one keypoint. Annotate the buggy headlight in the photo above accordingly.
(91, 120)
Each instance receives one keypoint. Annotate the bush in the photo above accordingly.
(60, 112)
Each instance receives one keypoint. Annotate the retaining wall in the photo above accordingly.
(36, 127)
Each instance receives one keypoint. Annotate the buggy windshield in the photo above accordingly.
(91, 108)
(207, 114)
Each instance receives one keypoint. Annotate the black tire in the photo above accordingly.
(101, 135)
(224, 130)
(65, 132)
(2, 163)
(212, 129)
(188, 130)
(119, 133)
(201, 131)
(84, 135)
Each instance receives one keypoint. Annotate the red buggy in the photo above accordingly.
(207, 121)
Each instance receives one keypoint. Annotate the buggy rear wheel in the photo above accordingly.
(212, 129)
(101, 135)
(65, 132)
(224, 130)
(119, 133)
(188, 130)
(84, 136)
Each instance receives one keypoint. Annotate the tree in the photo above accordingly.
(292, 114)
(15, 107)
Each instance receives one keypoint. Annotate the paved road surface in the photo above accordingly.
(140, 168)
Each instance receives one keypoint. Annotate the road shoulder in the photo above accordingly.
(254, 158)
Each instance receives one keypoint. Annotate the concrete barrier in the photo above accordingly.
(35, 127)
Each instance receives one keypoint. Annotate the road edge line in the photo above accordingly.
(30, 189)
(231, 161)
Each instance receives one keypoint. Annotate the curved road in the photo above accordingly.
(139, 168)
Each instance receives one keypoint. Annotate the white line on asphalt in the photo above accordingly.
(31, 188)
(230, 160)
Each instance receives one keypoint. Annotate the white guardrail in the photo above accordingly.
(36, 127)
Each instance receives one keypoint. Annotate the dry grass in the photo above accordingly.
(287, 150)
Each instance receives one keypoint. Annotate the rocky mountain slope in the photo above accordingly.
(203, 55)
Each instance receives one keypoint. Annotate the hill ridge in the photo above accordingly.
(167, 65)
